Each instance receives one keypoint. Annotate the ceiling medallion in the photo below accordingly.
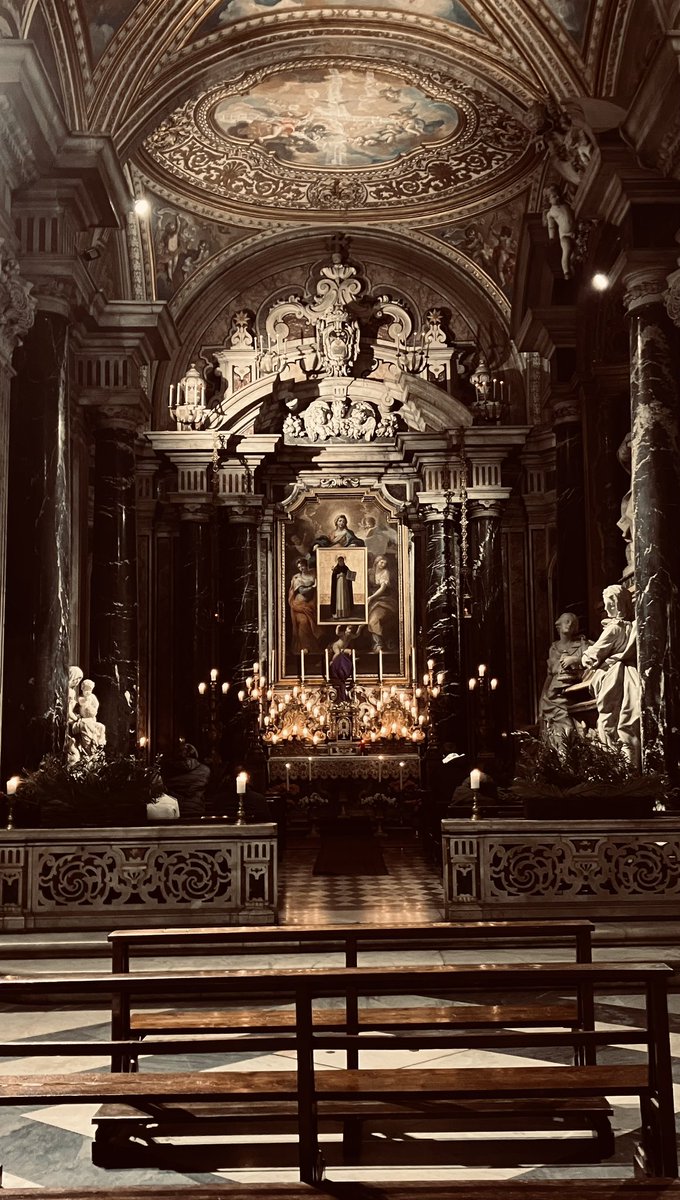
(339, 135)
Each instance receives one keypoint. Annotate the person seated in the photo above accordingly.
(186, 778)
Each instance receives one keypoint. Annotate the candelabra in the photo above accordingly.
(481, 688)
(489, 402)
(413, 358)
(213, 694)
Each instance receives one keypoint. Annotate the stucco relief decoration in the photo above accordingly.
(564, 137)
(17, 306)
(339, 134)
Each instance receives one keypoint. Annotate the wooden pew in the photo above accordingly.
(360, 1090)
(349, 941)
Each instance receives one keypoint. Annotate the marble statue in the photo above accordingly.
(564, 668)
(616, 681)
(86, 733)
(561, 223)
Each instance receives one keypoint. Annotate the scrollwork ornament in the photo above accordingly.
(17, 305)
(671, 298)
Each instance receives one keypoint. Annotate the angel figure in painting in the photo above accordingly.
(302, 606)
(382, 605)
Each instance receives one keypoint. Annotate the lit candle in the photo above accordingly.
(302, 666)
(475, 779)
(309, 768)
(225, 688)
(380, 666)
(172, 394)
(213, 674)
(380, 762)
(287, 777)
(271, 667)
(472, 684)
(413, 664)
(493, 684)
(401, 776)
(430, 664)
(12, 785)
(354, 664)
(202, 689)
(241, 781)
(481, 670)
(328, 665)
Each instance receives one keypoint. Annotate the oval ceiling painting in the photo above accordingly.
(336, 117)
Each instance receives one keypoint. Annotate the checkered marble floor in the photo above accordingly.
(411, 891)
(47, 1145)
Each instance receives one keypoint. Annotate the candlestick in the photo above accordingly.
(380, 666)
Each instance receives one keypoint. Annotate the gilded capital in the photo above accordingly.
(17, 306)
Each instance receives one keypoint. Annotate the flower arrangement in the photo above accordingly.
(378, 802)
(94, 791)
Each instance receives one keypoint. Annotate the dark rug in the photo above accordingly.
(349, 853)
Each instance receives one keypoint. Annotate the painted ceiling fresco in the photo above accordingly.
(336, 118)
(236, 10)
(342, 135)
(104, 17)
(573, 14)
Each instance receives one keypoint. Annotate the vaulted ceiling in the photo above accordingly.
(256, 128)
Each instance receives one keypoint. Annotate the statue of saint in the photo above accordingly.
(564, 668)
(616, 680)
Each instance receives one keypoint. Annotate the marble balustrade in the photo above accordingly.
(213, 874)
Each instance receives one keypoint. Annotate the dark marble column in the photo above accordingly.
(239, 631)
(655, 446)
(194, 633)
(17, 314)
(442, 625)
(487, 633)
(38, 549)
(607, 421)
(572, 571)
(113, 607)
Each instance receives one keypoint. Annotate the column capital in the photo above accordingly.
(121, 413)
(566, 410)
(17, 305)
(488, 509)
(644, 286)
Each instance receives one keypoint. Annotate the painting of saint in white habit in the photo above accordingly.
(341, 584)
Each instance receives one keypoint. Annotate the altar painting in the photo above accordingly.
(342, 564)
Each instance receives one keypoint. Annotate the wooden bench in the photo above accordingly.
(361, 1091)
(349, 941)
(507, 1189)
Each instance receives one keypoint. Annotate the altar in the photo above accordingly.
(346, 762)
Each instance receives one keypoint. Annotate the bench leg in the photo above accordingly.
(351, 1139)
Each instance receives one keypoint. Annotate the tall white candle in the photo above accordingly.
(287, 777)
(241, 781)
(309, 768)
(413, 664)
(302, 666)
(172, 394)
(380, 758)
(12, 785)
(401, 776)
(380, 666)
(354, 665)
(475, 779)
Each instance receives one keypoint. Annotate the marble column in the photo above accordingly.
(37, 617)
(194, 636)
(571, 592)
(442, 625)
(17, 314)
(487, 632)
(239, 632)
(113, 656)
(655, 481)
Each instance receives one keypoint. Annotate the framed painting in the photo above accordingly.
(341, 579)
(343, 559)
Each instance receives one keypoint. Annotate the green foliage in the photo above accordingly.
(581, 765)
(95, 791)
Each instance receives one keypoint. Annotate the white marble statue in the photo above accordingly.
(616, 680)
(86, 733)
(561, 223)
(564, 668)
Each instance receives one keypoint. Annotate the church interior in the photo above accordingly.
(339, 575)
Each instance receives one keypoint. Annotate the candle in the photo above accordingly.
(401, 776)
(309, 768)
(475, 779)
(302, 666)
(328, 666)
(380, 666)
(213, 674)
(172, 394)
(12, 785)
(481, 670)
(271, 667)
(413, 664)
(202, 689)
(287, 777)
(225, 688)
(380, 762)
(241, 781)
(354, 664)
(430, 664)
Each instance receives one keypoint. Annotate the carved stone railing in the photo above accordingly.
(107, 878)
(599, 869)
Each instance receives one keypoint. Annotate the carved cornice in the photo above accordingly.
(643, 287)
(17, 305)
